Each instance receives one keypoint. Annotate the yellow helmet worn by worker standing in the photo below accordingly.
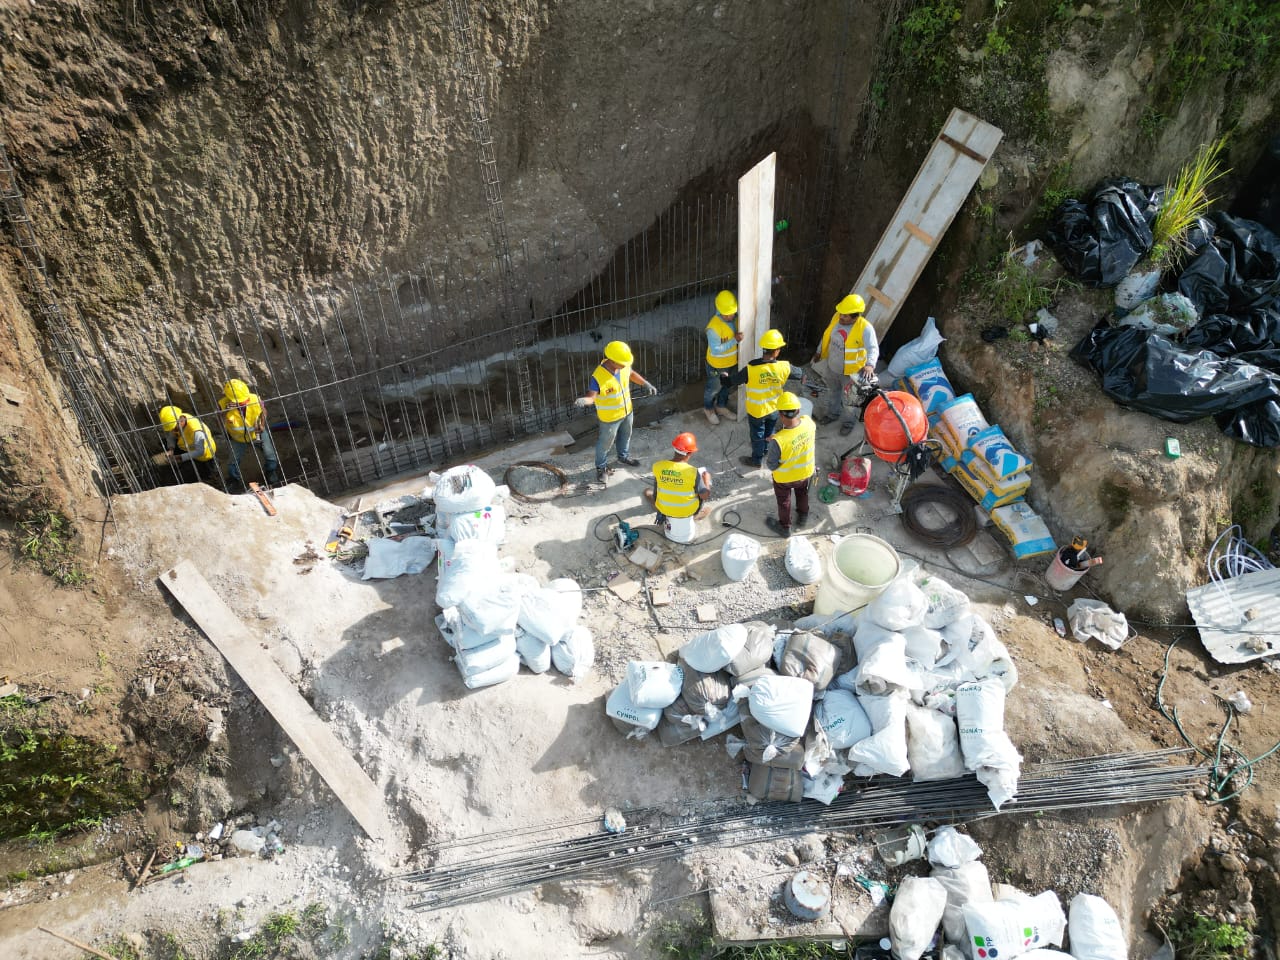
(726, 303)
(237, 391)
(788, 402)
(618, 352)
(169, 417)
(851, 304)
(772, 340)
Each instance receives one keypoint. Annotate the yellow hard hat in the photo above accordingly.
(772, 340)
(237, 391)
(169, 417)
(851, 304)
(788, 402)
(618, 352)
(726, 303)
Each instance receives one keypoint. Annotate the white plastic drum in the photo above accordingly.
(860, 567)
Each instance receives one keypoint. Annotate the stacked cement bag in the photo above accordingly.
(636, 704)
(469, 505)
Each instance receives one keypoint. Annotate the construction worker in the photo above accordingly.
(610, 393)
(723, 337)
(849, 351)
(792, 459)
(765, 378)
(187, 441)
(245, 419)
(680, 489)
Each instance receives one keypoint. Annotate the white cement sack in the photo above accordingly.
(1093, 618)
(1045, 954)
(462, 489)
(726, 719)
(653, 683)
(802, 561)
(987, 749)
(914, 917)
(1004, 929)
(468, 638)
(841, 718)
(933, 745)
(500, 673)
(1093, 930)
(575, 654)
(782, 704)
(976, 651)
(496, 608)
(883, 670)
(479, 659)
(951, 848)
(828, 624)
(738, 555)
(824, 786)
(471, 568)
(900, 604)
(929, 382)
(966, 883)
(714, 650)
(534, 652)
(870, 635)
(573, 594)
(917, 351)
(550, 614)
(394, 558)
(923, 645)
(993, 448)
(620, 707)
(885, 751)
(756, 649)
(944, 603)
(964, 419)
(486, 523)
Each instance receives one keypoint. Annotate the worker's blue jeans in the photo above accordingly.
(761, 429)
(617, 431)
(270, 461)
(715, 393)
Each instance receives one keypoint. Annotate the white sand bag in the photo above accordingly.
(485, 523)
(756, 649)
(496, 608)
(976, 652)
(950, 848)
(714, 650)
(923, 645)
(987, 749)
(964, 419)
(885, 751)
(883, 670)
(1093, 930)
(1009, 928)
(620, 707)
(545, 614)
(824, 786)
(653, 683)
(572, 593)
(782, 704)
(726, 719)
(929, 382)
(471, 568)
(965, 883)
(914, 917)
(945, 604)
(933, 745)
(479, 659)
(802, 561)
(738, 555)
(900, 604)
(808, 655)
(394, 558)
(994, 449)
(500, 673)
(462, 489)
(841, 718)
(917, 350)
(575, 654)
(534, 652)
(869, 635)
(1046, 954)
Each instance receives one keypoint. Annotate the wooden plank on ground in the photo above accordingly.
(256, 668)
(755, 259)
(942, 183)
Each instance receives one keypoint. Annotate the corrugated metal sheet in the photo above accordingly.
(1239, 619)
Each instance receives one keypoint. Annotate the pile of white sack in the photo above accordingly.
(493, 618)
(915, 683)
(997, 923)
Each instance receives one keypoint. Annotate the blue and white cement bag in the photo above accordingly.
(929, 382)
(964, 419)
(994, 448)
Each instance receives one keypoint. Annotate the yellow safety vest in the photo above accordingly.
(764, 382)
(677, 494)
(725, 355)
(243, 425)
(855, 353)
(798, 452)
(187, 439)
(613, 402)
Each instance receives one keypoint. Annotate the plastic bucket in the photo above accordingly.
(860, 567)
(1061, 577)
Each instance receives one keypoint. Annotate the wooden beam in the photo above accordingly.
(919, 234)
(755, 260)
(269, 684)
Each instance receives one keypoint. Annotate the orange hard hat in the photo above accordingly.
(685, 443)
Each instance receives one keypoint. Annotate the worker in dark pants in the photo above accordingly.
(792, 458)
(765, 377)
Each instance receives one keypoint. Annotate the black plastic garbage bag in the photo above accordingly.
(1236, 271)
(1227, 336)
(1099, 241)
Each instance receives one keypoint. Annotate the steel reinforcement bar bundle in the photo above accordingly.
(497, 864)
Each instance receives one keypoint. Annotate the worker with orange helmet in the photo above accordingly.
(766, 377)
(680, 489)
(849, 351)
(187, 442)
(610, 393)
(723, 337)
(792, 458)
(245, 420)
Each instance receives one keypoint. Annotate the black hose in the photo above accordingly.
(954, 534)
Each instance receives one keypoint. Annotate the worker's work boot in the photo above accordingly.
(776, 527)
(725, 412)
(802, 521)
(602, 474)
(629, 461)
(748, 462)
(711, 416)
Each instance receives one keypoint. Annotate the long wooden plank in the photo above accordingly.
(755, 259)
(256, 668)
(951, 168)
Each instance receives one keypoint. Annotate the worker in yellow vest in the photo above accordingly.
(187, 442)
(723, 337)
(792, 458)
(680, 490)
(849, 352)
(245, 419)
(765, 377)
(610, 393)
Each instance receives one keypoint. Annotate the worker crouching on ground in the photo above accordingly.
(792, 459)
(849, 351)
(723, 337)
(187, 442)
(610, 393)
(765, 378)
(245, 419)
(680, 490)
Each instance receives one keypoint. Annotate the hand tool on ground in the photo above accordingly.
(76, 943)
(261, 494)
(145, 871)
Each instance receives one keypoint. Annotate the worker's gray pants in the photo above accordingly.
(270, 461)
